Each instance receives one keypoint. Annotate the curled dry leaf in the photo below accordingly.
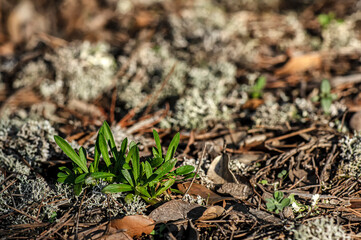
(205, 193)
(212, 212)
(237, 190)
(134, 225)
(355, 122)
(219, 171)
(175, 210)
(301, 63)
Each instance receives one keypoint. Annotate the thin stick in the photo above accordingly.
(198, 168)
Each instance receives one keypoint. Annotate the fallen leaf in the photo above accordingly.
(191, 233)
(212, 212)
(116, 236)
(198, 189)
(219, 171)
(253, 103)
(355, 122)
(300, 64)
(237, 190)
(175, 210)
(134, 225)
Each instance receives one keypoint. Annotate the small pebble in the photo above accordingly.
(355, 122)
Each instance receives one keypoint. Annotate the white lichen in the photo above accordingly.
(32, 197)
(82, 71)
(25, 141)
(322, 228)
(204, 180)
(274, 114)
(351, 155)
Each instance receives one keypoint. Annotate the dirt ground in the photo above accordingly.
(265, 96)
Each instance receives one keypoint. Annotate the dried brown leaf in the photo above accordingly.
(175, 210)
(198, 189)
(300, 64)
(134, 225)
(212, 212)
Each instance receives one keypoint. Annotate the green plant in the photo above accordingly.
(152, 177)
(123, 169)
(326, 19)
(257, 89)
(325, 97)
(278, 202)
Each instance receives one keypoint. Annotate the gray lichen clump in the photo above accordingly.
(351, 154)
(82, 71)
(29, 140)
(200, 90)
(273, 114)
(323, 228)
(36, 201)
(112, 204)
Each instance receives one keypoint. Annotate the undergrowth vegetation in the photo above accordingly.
(123, 168)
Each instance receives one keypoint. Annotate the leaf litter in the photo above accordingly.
(235, 78)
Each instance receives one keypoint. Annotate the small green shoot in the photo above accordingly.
(278, 202)
(257, 89)
(282, 174)
(326, 19)
(325, 97)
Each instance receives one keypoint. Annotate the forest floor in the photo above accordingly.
(265, 96)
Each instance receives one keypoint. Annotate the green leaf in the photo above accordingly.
(69, 151)
(260, 83)
(315, 98)
(270, 204)
(116, 188)
(65, 169)
(143, 191)
(126, 166)
(326, 104)
(90, 179)
(282, 174)
(129, 198)
(278, 196)
(110, 139)
(333, 96)
(62, 175)
(157, 142)
(155, 152)
(123, 147)
(77, 189)
(127, 176)
(256, 91)
(191, 175)
(82, 155)
(165, 168)
(172, 147)
(132, 144)
(61, 179)
(104, 149)
(148, 169)
(156, 162)
(285, 202)
(165, 186)
(160, 172)
(325, 87)
(96, 155)
(130, 154)
(183, 170)
(81, 178)
(136, 164)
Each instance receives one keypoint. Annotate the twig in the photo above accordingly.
(198, 168)
(23, 213)
(77, 218)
